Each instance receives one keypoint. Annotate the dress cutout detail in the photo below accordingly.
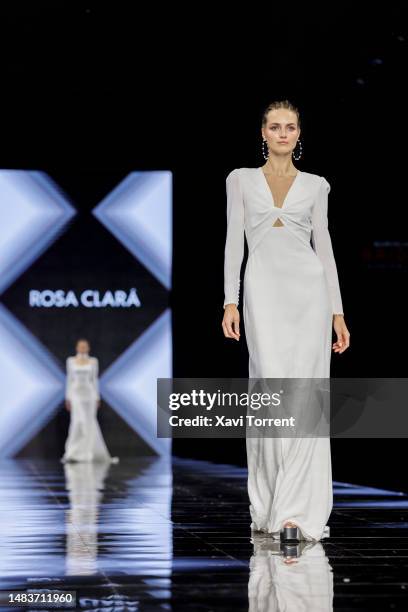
(291, 293)
(278, 222)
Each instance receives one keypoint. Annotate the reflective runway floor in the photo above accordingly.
(173, 534)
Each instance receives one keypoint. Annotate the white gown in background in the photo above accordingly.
(291, 292)
(84, 441)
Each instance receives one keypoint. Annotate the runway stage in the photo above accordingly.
(158, 534)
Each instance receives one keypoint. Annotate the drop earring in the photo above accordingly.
(300, 150)
(263, 150)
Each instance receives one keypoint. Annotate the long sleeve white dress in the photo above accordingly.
(85, 441)
(291, 291)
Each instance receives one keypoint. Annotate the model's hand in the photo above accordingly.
(68, 405)
(342, 333)
(230, 321)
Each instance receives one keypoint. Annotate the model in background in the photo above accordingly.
(291, 303)
(85, 441)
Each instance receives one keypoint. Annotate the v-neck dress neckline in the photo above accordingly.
(270, 190)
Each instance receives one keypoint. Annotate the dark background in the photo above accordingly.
(101, 89)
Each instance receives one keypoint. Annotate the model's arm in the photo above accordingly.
(323, 246)
(68, 383)
(95, 377)
(234, 243)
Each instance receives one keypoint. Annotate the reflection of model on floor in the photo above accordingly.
(85, 441)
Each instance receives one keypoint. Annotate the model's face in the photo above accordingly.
(82, 347)
(281, 131)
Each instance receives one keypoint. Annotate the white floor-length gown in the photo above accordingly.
(291, 291)
(85, 441)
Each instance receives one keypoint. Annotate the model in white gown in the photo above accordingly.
(291, 292)
(85, 441)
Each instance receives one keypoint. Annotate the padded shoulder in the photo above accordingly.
(325, 183)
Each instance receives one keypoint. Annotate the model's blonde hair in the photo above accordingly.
(280, 104)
